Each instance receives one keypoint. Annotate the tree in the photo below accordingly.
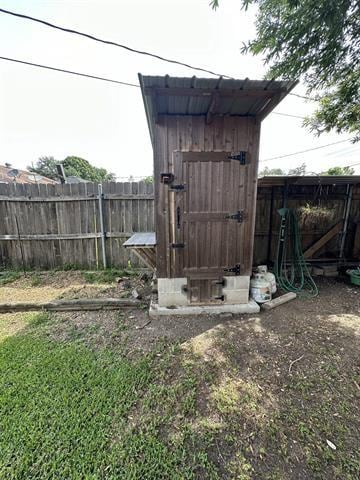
(266, 171)
(149, 179)
(318, 41)
(339, 171)
(45, 166)
(73, 166)
(300, 170)
(79, 167)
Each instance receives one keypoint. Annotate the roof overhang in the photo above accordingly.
(209, 97)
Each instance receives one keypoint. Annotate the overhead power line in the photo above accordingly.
(69, 71)
(304, 151)
(62, 70)
(96, 77)
(288, 115)
(110, 42)
(125, 47)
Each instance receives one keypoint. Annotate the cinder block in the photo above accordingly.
(237, 283)
(171, 285)
(172, 299)
(171, 292)
(234, 297)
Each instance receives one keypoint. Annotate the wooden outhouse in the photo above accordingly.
(205, 134)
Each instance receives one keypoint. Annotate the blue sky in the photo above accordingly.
(48, 113)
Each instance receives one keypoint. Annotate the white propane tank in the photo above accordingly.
(260, 289)
(270, 277)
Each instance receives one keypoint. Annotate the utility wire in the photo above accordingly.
(138, 86)
(125, 47)
(304, 151)
(109, 42)
(303, 96)
(69, 71)
(288, 115)
(87, 75)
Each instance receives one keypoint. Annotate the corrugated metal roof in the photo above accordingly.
(167, 95)
(275, 181)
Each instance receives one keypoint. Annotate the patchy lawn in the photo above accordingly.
(106, 395)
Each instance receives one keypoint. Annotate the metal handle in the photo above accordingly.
(178, 217)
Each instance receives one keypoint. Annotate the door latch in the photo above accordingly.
(177, 187)
(239, 216)
(177, 245)
(167, 178)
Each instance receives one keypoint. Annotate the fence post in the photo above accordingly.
(103, 233)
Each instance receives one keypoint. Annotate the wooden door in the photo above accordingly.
(208, 221)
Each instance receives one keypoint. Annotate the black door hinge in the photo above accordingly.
(239, 216)
(177, 187)
(221, 297)
(235, 269)
(240, 157)
(177, 245)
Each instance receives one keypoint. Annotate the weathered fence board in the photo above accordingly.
(59, 225)
(49, 226)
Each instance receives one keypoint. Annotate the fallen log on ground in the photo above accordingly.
(278, 301)
(74, 305)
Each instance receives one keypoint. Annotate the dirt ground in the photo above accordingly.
(277, 394)
(338, 303)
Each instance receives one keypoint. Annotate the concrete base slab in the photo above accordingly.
(250, 307)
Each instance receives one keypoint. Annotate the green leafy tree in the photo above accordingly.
(271, 171)
(79, 167)
(149, 179)
(318, 41)
(45, 166)
(339, 171)
(73, 166)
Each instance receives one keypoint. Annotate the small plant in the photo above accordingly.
(8, 277)
(36, 280)
(106, 276)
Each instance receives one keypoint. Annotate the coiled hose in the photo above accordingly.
(291, 271)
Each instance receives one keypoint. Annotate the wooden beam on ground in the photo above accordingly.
(278, 301)
(323, 240)
(75, 305)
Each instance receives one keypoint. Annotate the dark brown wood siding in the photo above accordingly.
(192, 134)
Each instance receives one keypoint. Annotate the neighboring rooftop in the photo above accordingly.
(9, 174)
(210, 96)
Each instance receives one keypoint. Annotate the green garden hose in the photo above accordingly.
(291, 271)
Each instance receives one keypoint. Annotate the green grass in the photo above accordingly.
(8, 277)
(106, 276)
(70, 412)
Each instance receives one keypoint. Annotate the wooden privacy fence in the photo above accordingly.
(47, 226)
(329, 217)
